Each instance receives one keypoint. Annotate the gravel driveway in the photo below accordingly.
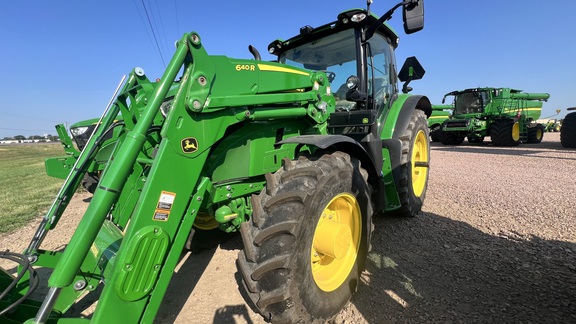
(496, 243)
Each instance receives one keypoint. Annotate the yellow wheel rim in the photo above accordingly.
(420, 172)
(539, 134)
(336, 242)
(205, 222)
(516, 132)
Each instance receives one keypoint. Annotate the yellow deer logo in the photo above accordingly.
(189, 145)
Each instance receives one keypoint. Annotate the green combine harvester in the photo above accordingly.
(295, 155)
(507, 115)
(440, 113)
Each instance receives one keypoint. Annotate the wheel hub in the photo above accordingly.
(419, 163)
(334, 239)
(336, 242)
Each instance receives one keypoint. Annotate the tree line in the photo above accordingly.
(32, 137)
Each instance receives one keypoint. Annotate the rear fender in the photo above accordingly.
(395, 124)
(400, 113)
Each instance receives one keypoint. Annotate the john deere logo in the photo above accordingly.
(189, 145)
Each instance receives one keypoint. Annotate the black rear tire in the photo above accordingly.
(280, 260)
(568, 131)
(415, 165)
(505, 132)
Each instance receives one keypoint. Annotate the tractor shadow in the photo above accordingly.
(458, 274)
(203, 263)
(183, 283)
(532, 150)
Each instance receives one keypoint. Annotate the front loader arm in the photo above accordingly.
(108, 191)
(157, 178)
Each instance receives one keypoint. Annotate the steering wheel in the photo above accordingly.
(331, 75)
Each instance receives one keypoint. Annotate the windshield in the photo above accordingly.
(471, 102)
(336, 55)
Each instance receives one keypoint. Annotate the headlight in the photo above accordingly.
(78, 131)
(352, 82)
(358, 17)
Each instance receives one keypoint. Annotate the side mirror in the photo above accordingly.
(411, 70)
(413, 16)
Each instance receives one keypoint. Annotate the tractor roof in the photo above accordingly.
(345, 21)
(456, 92)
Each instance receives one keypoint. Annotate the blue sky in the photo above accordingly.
(60, 61)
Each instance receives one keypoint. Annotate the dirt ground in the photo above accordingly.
(495, 243)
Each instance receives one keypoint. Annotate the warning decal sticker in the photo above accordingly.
(164, 206)
(161, 215)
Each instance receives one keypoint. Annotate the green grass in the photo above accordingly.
(26, 191)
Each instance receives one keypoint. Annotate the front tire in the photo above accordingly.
(536, 134)
(307, 242)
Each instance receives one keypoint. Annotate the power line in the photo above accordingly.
(177, 22)
(153, 33)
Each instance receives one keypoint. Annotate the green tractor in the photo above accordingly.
(440, 113)
(550, 125)
(59, 167)
(507, 115)
(568, 130)
(265, 149)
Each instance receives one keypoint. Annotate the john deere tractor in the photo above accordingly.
(568, 130)
(296, 155)
(440, 113)
(507, 115)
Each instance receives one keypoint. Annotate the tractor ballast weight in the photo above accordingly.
(267, 149)
(507, 115)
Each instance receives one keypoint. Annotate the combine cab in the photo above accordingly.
(507, 115)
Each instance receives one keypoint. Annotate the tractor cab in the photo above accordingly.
(357, 54)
